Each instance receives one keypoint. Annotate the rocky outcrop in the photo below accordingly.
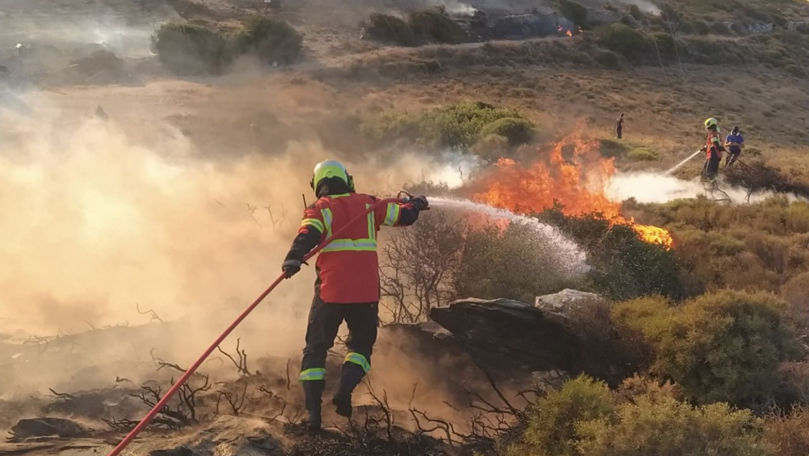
(568, 331)
(503, 335)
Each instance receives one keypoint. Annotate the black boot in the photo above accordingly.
(313, 390)
(351, 376)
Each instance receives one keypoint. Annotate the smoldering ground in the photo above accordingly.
(106, 217)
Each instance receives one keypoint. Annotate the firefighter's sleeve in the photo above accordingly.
(396, 214)
(717, 141)
(314, 227)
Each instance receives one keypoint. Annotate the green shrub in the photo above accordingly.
(389, 127)
(622, 39)
(575, 12)
(272, 40)
(584, 418)
(517, 130)
(459, 125)
(718, 347)
(433, 26)
(663, 426)
(390, 29)
(552, 422)
(191, 48)
(611, 148)
(641, 154)
(623, 265)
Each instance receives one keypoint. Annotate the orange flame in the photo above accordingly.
(565, 31)
(574, 175)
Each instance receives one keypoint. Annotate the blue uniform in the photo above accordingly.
(735, 140)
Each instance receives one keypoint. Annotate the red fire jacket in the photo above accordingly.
(713, 145)
(348, 267)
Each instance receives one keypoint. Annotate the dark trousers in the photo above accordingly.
(619, 131)
(712, 166)
(733, 155)
(324, 321)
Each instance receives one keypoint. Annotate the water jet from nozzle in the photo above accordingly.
(570, 255)
(680, 165)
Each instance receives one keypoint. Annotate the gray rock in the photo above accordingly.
(561, 304)
(47, 427)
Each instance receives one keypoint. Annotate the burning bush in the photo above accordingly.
(624, 266)
(718, 347)
(190, 48)
(271, 40)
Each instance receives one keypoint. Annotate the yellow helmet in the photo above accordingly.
(712, 122)
(330, 168)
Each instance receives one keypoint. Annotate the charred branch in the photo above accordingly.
(241, 363)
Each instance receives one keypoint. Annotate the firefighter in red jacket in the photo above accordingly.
(347, 285)
(713, 149)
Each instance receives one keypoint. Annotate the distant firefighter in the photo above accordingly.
(734, 144)
(713, 149)
(619, 126)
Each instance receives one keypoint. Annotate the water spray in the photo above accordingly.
(571, 257)
(680, 165)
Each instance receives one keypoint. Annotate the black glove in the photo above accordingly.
(420, 203)
(291, 267)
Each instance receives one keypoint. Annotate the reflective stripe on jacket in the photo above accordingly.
(348, 267)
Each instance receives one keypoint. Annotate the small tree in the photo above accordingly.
(418, 266)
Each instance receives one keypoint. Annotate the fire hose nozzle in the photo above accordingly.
(405, 197)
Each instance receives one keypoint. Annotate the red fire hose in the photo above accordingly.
(162, 402)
